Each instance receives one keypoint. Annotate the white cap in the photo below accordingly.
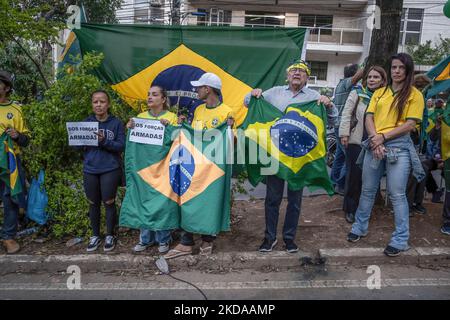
(208, 79)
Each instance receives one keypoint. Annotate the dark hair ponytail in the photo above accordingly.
(401, 98)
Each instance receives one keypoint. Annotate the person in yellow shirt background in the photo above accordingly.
(158, 109)
(209, 115)
(12, 123)
(392, 114)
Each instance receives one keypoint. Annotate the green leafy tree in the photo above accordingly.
(29, 28)
(68, 99)
(427, 54)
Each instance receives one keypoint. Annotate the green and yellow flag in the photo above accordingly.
(71, 50)
(173, 56)
(445, 144)
(440, 76)
(9, 172)
(183, 184)
(295, 142)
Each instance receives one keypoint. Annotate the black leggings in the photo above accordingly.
(102, 188)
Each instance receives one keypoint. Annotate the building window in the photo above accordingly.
(214, 17)
(141, 15)
(411, 26)
(319, 69)
(263, 19)
(313, 21)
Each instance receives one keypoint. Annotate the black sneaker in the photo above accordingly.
(350, 217)
(267, 245)
(351, 237)
(419, 209)
(110, 243)
(391, 251)
(436, 198)
(94, 242)
(446, 229)
(291, 247)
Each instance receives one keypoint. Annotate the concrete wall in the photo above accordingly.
(336, 65)
(434, 20)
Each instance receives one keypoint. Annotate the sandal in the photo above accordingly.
(175, 253)
(207, 249)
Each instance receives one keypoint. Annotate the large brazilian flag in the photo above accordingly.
(172, 56)
(185, 183)
(295, 142)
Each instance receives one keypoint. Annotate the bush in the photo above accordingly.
(68, 99)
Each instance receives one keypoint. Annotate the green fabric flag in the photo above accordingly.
(173, 56)
(71, 50)
(9, 172)
(294, 143)
(185, 183)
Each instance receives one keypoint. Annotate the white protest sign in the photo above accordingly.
(82, 133)
(147, 132)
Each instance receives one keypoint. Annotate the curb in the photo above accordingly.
(129, 262)
(420, 256)
(224, 262)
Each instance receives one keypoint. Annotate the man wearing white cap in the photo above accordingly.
(213, 112)
(206, 116)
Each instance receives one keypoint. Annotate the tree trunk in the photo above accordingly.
(385, 40)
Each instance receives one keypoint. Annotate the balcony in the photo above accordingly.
(336, 40)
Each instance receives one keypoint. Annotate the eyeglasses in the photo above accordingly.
(294, 70)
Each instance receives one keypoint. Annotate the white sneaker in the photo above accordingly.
(163, 247)
(140, 247)
(94, 242)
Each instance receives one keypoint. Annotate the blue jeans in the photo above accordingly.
(338, 170)
(149, 237)
(10, 206)
(397, 177)
(274, 195)
(187, 238)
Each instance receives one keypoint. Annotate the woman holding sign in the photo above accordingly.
(102, 169)
(158, 105)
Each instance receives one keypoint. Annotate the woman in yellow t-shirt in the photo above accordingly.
(158, 109)
(392, 114)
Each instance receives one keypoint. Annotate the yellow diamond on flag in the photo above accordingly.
(183, 174)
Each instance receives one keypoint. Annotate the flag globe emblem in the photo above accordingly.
(181, 170)
(177, 81)
(294, 135)
(12, 162)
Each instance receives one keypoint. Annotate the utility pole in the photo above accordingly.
(175, 12)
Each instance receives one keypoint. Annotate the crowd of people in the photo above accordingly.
(379, 117)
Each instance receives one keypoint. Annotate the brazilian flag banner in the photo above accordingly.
(183, 184)
(295, 142)
(137, 56)
(9, 172)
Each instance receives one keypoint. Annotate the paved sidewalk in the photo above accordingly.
(321, 236)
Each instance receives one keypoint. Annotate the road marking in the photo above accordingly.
(304, 284)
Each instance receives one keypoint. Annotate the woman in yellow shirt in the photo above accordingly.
(392, 114)
(158, 109)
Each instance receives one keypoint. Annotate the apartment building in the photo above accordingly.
(339, 31)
